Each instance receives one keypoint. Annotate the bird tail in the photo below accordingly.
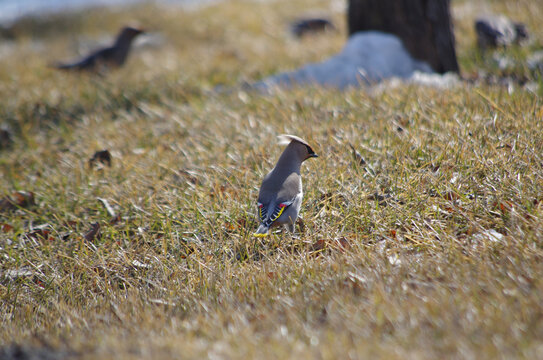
(262, 231)
(63, 66)
(88, 63)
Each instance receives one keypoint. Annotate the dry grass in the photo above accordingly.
(444, 262)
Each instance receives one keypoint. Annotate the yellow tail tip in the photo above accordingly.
(260, 234)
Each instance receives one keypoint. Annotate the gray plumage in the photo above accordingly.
(105, 58)
(280, 196)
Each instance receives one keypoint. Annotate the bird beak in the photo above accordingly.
(313, 155)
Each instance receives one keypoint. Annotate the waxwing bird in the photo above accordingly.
(301, 27)
(280, 196)
(498, 30)
(105, 58)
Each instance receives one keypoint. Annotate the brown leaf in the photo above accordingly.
(505, 206)
(115, 219)
(103, 157)
(229, 226)
(319, 245)
(43, 233)
(39, 283)
(343, 244)
(392, 233)
(6, 227)
(93, 233)
(402, 120)
(19, 199)
(23, 198)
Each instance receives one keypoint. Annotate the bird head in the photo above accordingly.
(129, 32)
(300, 146)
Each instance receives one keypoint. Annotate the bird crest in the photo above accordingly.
(286, 139)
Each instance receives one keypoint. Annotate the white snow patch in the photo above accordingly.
(442, 81)
(368, 58)
(491, 235)
(394, 259)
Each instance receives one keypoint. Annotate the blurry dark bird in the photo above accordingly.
(302, 27)
(5, 138)
(101, 157)
(493, 31)
(106, 58)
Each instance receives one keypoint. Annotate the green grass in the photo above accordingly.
(447, 265)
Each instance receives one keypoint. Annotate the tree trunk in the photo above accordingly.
(424, 26)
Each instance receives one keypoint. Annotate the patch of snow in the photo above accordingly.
(503, 62)
(535, 61)
(19, 273)
(394, 259)
(12, 10)
(491, 235)
(442, 81)
(368, 58)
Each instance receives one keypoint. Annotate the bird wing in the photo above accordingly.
(275, 214)
(92, 61)
(276, 195)
(486, 29)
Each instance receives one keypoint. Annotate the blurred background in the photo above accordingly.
(11, 10)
